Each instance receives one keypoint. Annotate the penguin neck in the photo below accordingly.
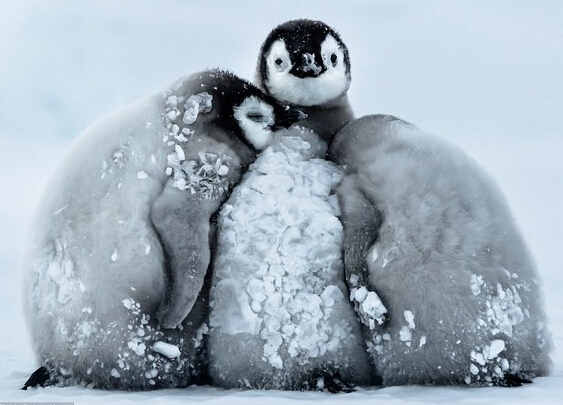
(327, 119)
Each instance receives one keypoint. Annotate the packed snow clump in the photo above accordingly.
(207, 174)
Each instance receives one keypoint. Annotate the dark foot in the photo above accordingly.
(38, 378)
(333, 383)
(512, 380)
(335, 386)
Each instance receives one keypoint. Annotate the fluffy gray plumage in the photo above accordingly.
(429, 232)
(120, 247)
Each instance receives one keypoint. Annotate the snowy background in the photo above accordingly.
(485, 74)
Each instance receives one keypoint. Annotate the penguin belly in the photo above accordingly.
(281, 316)
(459, 284)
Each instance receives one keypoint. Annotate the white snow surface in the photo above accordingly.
(484, 74)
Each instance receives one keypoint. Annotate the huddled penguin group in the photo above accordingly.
(196, 243)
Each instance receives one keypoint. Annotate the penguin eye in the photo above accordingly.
(278, 59)
(255, 116)
(333, 59)
(280, 64)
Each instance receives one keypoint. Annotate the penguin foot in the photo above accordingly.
(39, 378)
(334, 384)
(513, 380)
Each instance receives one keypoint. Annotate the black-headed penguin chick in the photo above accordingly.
(306, 63)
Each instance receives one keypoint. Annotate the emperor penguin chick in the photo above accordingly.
(121, 243)
(306, 63)
(281, 317)
(428, 232)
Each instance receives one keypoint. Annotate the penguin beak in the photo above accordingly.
(288, 117)
(308, 66)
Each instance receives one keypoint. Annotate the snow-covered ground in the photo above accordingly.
(485, 74)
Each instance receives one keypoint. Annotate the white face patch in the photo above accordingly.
(308, 91)
(278, 60)
(255, 118)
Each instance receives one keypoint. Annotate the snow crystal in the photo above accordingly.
(354, 279)
(60, 270)
(141, 175)
(205, 176)
(131, 305)
(405, 335)
(115, 373)
(180, 153)
(200, 333)
(409, 317)
(478, 358)
(369, 307)
(486, 362)
(114, 256)
(504, 364)
(495, 348)
(195, 104)
(137, 346)
(223, 170)
(422, 341)
(503, 310)
(476, 283)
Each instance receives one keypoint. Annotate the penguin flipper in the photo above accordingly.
(38, 378)
(361, 220)
(182, 222)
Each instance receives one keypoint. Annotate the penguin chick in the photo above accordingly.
(281, 316)
(244, 120)
(125, 221)
(428, 231)
(305, 63)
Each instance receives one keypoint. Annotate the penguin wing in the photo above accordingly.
(182, 221)
(361, 220)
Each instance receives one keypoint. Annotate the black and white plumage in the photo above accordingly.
(121, 243)
(306, 63)
(429, 232)
(281, 317)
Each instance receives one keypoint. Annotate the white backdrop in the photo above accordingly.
(485, 74)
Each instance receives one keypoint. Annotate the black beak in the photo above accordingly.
(288, 117)
(309, 65)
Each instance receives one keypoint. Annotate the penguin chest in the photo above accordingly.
(278, 262)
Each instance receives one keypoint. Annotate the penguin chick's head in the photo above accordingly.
(247, 111)
(304, 62)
